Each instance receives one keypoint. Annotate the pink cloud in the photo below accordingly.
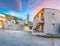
(19, 4)
(58, 7)
(45, 4)
(33, 3)
(15, 5)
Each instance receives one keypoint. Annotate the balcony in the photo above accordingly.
(41, 22)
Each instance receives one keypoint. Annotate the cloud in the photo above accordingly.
(14, 5)
(45, 4)
(19, 2)
(34, 3)
(58, 7)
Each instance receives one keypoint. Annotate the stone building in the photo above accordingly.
(47, 21)
(2, 20)
(9, 19)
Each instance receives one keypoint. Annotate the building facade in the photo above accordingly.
(47, 21)
(2, 20)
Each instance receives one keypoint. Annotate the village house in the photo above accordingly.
(2, 20)
(47, 21)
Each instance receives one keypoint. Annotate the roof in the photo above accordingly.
(44, 9)
(2, 15)
(39, 12)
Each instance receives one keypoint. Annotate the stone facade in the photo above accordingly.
(2, 20)
(10, 25)
(49, 21)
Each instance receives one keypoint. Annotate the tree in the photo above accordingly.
(16, 22)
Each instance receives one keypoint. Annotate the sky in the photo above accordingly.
(20, 8)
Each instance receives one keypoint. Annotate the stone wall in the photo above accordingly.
(51, 21)
(14, 27)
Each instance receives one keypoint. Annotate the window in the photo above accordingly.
(53, 14)
(53, 24)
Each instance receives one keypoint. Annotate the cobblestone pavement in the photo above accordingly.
(23, 38)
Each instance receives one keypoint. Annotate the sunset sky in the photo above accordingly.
(20, 8)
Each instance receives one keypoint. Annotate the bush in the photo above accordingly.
(16, 22)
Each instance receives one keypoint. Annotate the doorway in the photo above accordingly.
(40, 27)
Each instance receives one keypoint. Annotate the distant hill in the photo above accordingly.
(12, 17)
(16, 18)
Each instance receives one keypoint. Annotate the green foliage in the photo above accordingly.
(15, 18)
(16, 22)
(30, 23)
